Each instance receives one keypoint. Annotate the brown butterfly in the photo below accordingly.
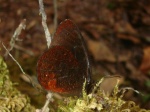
(64, 67)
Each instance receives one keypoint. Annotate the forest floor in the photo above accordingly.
(117, 34)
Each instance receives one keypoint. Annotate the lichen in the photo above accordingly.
(11, 99)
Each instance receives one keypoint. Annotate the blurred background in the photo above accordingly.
(117, 35)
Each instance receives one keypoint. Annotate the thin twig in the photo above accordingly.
(48, 100)
(47, 33)
(34, 84)
(55, 14)
(48, 38)
(123, 90)
(14, 59)
(16, 34)
(23, 49)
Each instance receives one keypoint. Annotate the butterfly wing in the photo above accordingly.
(65, 66)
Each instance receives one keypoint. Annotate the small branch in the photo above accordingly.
(49, 98)
(23, 49)
(45, 107)
(16, 35)
(48, 39)
(123, 90)
(55, 14)
(34, 85)
(14, 59)
(42, 12)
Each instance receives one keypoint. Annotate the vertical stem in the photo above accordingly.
(44, 17)
(55, 14)
(49, 98)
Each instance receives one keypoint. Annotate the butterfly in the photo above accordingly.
(65, 66)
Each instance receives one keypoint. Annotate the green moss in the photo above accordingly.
(98, 101)
(11, 100)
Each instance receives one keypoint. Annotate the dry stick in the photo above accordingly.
(23, 49)
(14, 38)
(45, 107)
(55, 14)
(34, 85)
(16, 62)
(15, 35)
(123, 90)
(49, 98)
(48, 39)
(42, 12)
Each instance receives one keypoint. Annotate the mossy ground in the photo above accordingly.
(11, 99)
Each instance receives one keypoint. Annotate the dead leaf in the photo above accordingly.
(145, 66)
(109, 83)
(136, 74)
(31, 24)
(146, 20)
(95, 30)
(134, 39)
(147, 8)
(124, 27)
(100, 51)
